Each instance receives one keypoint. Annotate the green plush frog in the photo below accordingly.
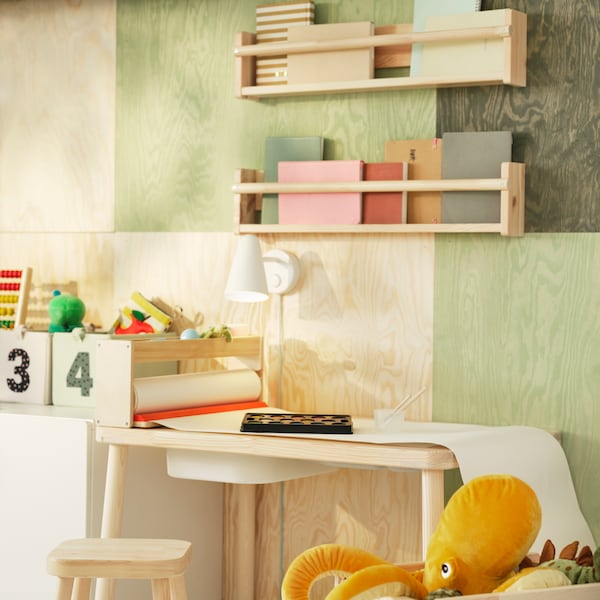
(66, 312)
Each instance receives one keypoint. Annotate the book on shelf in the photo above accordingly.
(423, 9)
(385, 207)
(331, 208)
(391, 57)
(343, 65)
(464, 57)
(285, 149)
(474, 155)
(273, 21)
(424, 160)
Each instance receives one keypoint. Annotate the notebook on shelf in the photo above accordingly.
(473, 155)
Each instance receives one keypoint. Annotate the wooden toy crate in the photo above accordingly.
(116, 360)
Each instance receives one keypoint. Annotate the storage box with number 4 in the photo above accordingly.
(74, 367)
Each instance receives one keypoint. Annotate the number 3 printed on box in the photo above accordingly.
(19, 386)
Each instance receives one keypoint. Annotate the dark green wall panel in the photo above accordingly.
(555, 119)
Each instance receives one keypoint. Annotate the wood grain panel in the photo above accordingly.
(56, 119)
(517, 341)
(77, 263)
(554, 119)
(181, 133)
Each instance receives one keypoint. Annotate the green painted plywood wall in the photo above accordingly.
(517, 341)
(517, 322)
(181, 133)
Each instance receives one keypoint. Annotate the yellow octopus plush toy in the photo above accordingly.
(485, 532)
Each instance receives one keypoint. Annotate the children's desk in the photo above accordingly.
(431, 460)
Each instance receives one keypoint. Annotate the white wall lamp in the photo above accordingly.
(253, 277)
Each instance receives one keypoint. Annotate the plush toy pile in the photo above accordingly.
(493, 512)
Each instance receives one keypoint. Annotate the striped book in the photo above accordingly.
(272, 24)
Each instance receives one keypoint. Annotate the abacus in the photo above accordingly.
(14, 295)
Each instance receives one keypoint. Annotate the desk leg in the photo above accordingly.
(432, 503)
(240, 541)
(112, 513)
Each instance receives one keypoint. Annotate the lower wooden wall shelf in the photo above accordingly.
(248, 190)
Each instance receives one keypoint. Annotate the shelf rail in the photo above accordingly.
(248, 190)
(513, 32)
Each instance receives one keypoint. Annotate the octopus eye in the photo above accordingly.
(446, 570)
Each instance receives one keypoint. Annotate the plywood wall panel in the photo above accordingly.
(181, 133)
(517, 341)
(355, 338)
(82, 262)
(57, 68)
(554, 119)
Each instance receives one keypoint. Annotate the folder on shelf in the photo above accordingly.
(285, 149)
(273, 21)
(385, 207)
(343, 65)
(426, 8)
(390, 57)
(462, 57)
(424, 159)
(474, 155)
(333, 208)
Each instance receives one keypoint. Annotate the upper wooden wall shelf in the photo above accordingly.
(248, 190)
(513, 32)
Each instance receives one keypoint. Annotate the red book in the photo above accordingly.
(332, 208)
(385, 207)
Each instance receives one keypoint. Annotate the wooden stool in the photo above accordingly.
(77, 562)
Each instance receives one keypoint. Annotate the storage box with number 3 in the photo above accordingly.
(25, 372)
(74, 367)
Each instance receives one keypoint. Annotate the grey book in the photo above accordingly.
(473, 155)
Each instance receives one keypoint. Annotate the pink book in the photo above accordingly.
(320, 208)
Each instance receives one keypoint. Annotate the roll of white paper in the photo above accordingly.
(170, 392)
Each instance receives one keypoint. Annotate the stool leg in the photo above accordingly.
(160, 589)
(65, 587)
(82, 588)
(178, 590)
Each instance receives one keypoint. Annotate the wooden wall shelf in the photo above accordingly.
(248, 191)
(513, 32)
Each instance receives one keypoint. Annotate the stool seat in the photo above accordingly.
(159, 560)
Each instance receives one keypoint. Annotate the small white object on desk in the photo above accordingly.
(388, 419)
(392, 418)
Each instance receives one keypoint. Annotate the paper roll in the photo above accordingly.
(529, 453)
(169, 392)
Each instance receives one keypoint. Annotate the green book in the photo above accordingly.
(279, 149)
(473, 155)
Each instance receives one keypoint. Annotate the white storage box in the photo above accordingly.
(74, 367)
(25, 372)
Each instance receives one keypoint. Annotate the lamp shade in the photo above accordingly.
(247, 281)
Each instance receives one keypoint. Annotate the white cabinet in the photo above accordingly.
(51, 488)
